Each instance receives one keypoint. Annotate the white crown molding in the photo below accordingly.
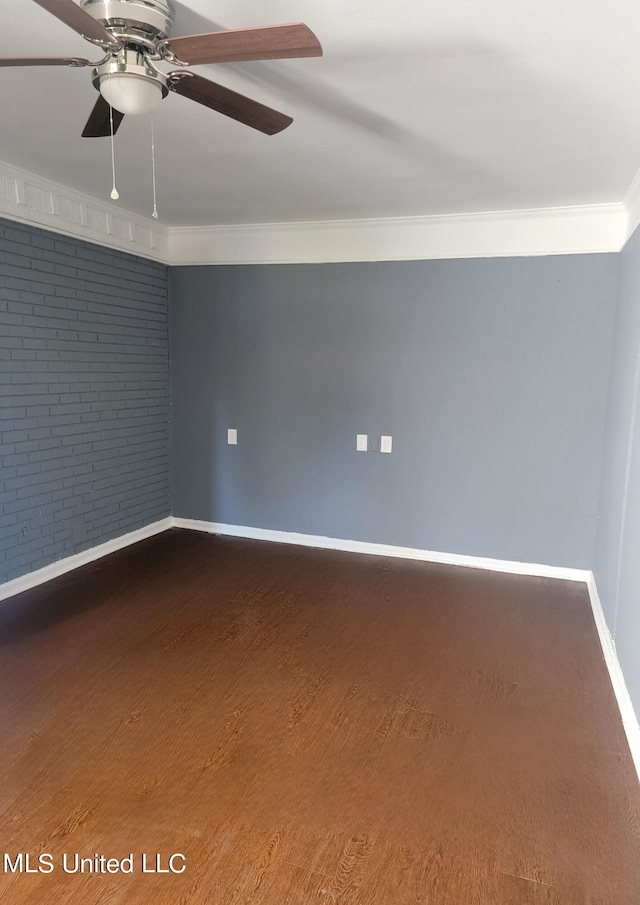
(625, 705)
(356, 546)
(551, 231)
(585, 229)
(28, 198)
(40, 576)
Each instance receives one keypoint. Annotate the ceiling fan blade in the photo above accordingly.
(44, 61)
(228, 102)
(274, 42)
(76, 18)
(99, 122)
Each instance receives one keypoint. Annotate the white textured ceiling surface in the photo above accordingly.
(416, 108)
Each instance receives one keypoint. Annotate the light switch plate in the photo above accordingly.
(361, 442)
(386, 444)
(232, 436)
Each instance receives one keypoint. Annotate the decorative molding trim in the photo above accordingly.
(32, 579)
(627, 711)
(356, 546)
(583, 229)
(31, 199)
(552, 231)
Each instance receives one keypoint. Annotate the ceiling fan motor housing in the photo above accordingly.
(147, 20)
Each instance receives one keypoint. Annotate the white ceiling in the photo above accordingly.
(416, 108)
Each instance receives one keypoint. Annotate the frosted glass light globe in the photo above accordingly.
(130, 94)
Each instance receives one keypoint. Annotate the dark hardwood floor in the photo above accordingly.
(308, 726)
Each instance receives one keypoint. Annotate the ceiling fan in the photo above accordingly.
(135, 37)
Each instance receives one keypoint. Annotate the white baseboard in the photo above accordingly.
(32, 579)
(627, 711)
(356, 546)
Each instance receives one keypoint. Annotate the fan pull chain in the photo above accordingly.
(153, 170)
(114, 191)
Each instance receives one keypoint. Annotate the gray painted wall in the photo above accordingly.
(84, 396)
(617, 553)
(491, 376)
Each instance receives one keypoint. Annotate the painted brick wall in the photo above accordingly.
(84, 396)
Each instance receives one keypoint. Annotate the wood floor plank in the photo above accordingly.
(307, 726)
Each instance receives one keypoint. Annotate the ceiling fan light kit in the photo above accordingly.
(130, 93)
(129, 84)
